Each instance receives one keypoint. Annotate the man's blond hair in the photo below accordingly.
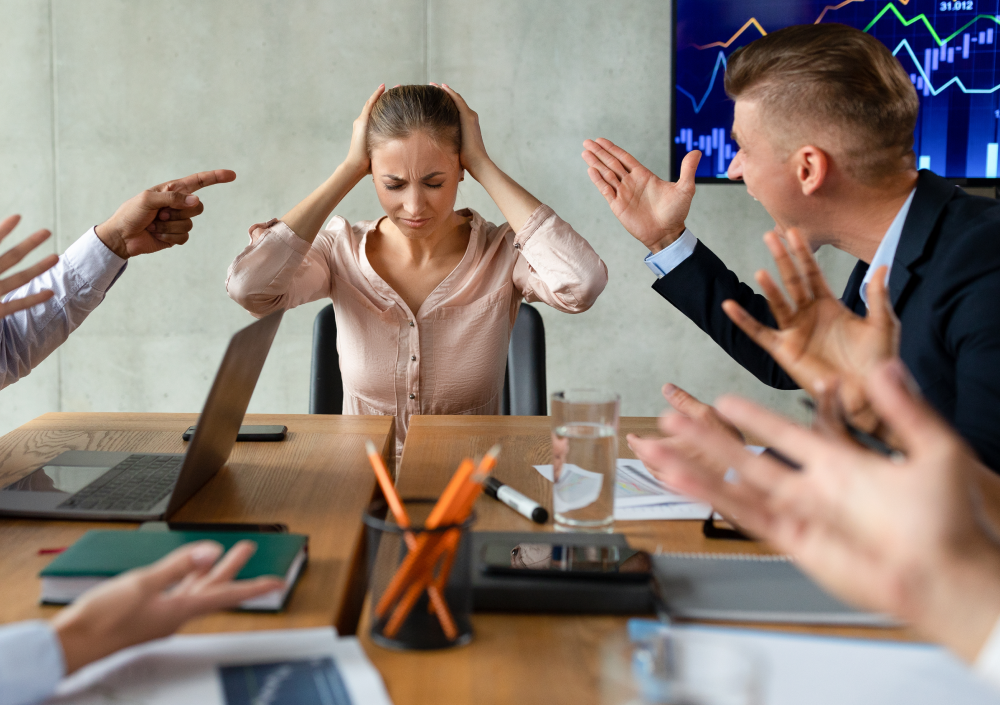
(811, 79)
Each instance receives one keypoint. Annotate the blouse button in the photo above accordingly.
(517, 246)
(411, 324)
(413, 396)
(413, 358)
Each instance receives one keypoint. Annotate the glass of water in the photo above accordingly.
(584, 454)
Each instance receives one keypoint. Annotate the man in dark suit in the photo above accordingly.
(824, 117)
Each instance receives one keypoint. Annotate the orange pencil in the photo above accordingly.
(486, 466)
(385, 482)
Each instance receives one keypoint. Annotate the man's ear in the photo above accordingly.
(811, 167)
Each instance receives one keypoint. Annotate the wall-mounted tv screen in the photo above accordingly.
(948, 47)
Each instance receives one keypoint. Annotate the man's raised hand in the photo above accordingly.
(159, 217)
(651, 209)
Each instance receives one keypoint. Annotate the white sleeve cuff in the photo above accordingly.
(667, 259)
(92, 260)
(31, 662)
(988, 661)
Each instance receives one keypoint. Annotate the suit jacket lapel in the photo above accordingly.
(933, 194)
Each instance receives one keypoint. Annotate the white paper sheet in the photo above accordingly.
(577, 488)
(800, 669)
(639, 496)
(183, 669)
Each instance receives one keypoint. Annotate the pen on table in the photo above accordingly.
(525, 506)
(866, 439)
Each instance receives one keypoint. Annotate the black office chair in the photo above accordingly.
(326, 389)
(524, 389)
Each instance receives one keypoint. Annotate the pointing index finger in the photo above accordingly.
(190, 184)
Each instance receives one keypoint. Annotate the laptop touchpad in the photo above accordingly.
(57, 478)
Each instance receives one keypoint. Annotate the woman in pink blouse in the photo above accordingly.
(425, 296)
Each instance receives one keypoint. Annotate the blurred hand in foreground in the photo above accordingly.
(907, 536)
(818, 339)
(155, 601)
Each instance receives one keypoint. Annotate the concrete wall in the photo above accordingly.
(105, 97)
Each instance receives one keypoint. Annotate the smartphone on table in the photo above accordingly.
(251, 433)
(558, 560)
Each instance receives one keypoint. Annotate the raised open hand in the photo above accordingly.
(473, 153)
(159, 217)
(358, 154)
(651, 209)
(14, 255)
(153, 602)
(818, 338)
(689, 406)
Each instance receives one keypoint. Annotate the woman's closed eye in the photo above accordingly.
(396, 186)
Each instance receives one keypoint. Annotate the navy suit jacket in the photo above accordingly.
(944, 286)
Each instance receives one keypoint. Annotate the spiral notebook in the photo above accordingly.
(743, 587)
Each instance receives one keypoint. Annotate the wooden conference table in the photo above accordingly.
(529, 658)
(317, 482)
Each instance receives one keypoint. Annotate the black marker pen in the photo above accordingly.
(515, 500)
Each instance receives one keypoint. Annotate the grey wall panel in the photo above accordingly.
(153, 91)
(26, 172)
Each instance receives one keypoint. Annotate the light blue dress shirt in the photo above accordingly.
(31, 662)
(80, 280)
(886, 251)
(670, 257)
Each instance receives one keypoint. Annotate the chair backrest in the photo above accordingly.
(524, 389)
(326, 390)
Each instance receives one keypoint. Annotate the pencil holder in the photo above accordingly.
(420, 582)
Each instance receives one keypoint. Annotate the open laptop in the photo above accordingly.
(89, 484)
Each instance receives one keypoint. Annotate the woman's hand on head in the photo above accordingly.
(357, 159)
(473, 154)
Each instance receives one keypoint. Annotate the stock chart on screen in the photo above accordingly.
(948, 48)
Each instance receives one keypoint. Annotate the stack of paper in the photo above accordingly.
(638, 495)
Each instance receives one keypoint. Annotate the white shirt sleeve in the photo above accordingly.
(80, 280)
(667, 259)
(988, 661)
(31, 662)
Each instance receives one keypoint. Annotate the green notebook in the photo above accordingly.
(100, 555)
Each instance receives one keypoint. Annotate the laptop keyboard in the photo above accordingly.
(135, 484)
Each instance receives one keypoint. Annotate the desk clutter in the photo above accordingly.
(524, 589)
(100, 555)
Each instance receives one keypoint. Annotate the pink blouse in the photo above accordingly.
(449, 356)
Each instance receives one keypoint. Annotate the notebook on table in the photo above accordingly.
(749, 588)
(100, 555)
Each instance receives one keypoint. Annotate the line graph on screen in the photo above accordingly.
(949, 50)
